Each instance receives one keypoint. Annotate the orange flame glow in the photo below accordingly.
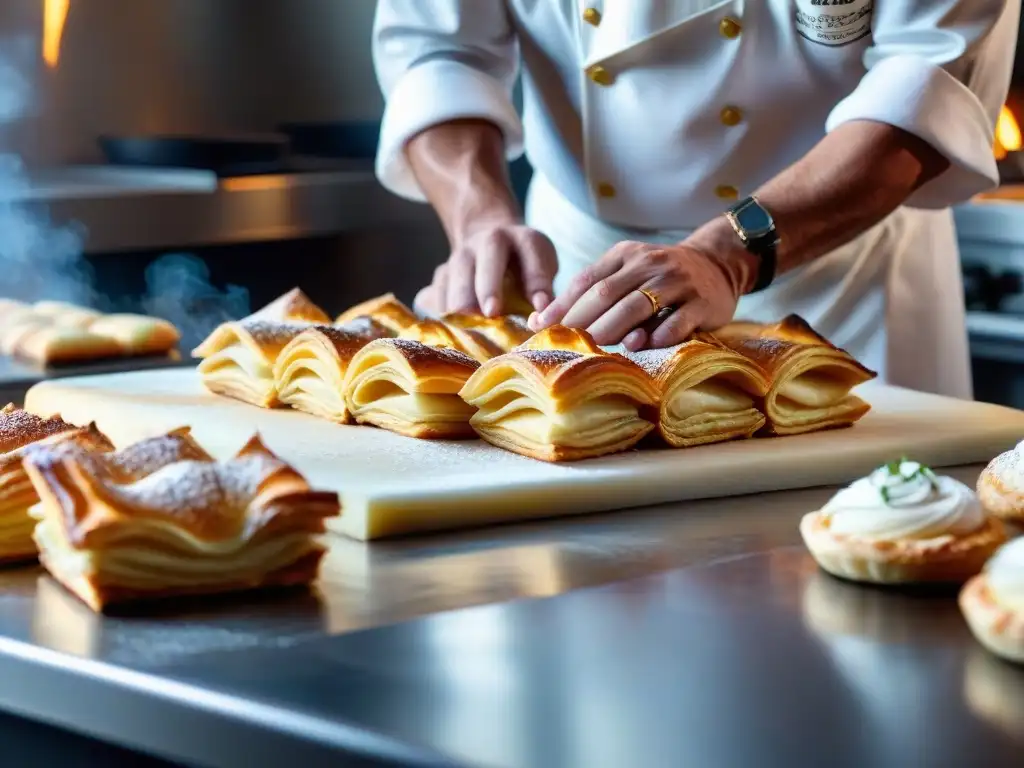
(1008, 138)
(55, 14)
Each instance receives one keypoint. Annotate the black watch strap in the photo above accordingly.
(755, 227)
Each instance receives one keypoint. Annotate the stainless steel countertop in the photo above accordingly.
(239, 681)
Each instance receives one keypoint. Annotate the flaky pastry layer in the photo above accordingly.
(505, 331)
(435, 333)
(309, 374)
(811, 379)
(707, 392)
(557, 405)
(563, 339)
(998, 628)
(386, 310)
(945, 559)
(162, 518)
(410, 388)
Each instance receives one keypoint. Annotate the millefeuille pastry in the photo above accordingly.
(435, 333)
(409, 388)
(1001, 486)
(993, 602)
(505, 331)
(238, 357)
(309, 374)
(810, 378)
(66, 314)
(708, 392)
(903, 524)
(20, 430)
(563, 339)
(386, 310)
(43, 341)
(161, 518)
(137, 334)
(555, 404)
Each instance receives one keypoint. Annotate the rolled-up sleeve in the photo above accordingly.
(941, 71)
(436, 61)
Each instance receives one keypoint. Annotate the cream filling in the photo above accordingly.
(911, 503)
(601, 421)
(156, 569)
(1005, 571)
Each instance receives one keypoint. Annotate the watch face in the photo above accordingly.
(754, 220)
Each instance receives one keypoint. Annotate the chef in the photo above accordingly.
(698, 160)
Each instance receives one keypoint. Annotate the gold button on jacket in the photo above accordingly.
(729, 28)
(604, 189)
(727, 192)
(731, 116)
(592, 16)
(600, 75)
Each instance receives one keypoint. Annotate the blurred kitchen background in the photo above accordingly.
(194, 158)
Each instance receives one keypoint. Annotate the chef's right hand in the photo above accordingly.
(472, 280)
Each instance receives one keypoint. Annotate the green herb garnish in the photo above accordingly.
(893, 470)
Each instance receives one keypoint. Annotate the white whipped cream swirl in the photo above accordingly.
(904, 501)
(1005, 571)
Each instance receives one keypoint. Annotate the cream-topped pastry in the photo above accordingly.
(1001, 485)
(993, 602)
(902, 524)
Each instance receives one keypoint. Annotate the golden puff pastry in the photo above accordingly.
(20, 430)
(294, 306)
(559, 337)
(47, 343)
(65, 314)
(1001, 486)
(409, 388)
(386, 310)
(810, 378)
(435, 333)
(238, 358)
(137, 334)
(161, 519)
(560, 405)
(309, 374)
(993, 603)
(903, 524)
(708, 393)
(505, 331)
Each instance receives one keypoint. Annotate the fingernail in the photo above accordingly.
(491, 307)
(634, 340)
(540, 300)
(533, 321)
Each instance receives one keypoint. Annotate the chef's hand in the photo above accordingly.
(701, 286)
(472, 278)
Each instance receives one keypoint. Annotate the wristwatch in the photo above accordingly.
(756, 229)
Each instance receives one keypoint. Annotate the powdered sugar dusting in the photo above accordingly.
(418, 353)
(273, 332)
(148, 456)
(1008, 468)
(18, 428)
(550, 358)
(364, 326)
(653, 360)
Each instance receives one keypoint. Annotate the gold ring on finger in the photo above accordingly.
(655, 304)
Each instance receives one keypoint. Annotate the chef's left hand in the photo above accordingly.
(701, 286)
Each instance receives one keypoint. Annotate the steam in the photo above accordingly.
(40, 259)
(178, 288)
(37, 258)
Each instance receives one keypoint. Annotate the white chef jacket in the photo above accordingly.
(645, 119)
